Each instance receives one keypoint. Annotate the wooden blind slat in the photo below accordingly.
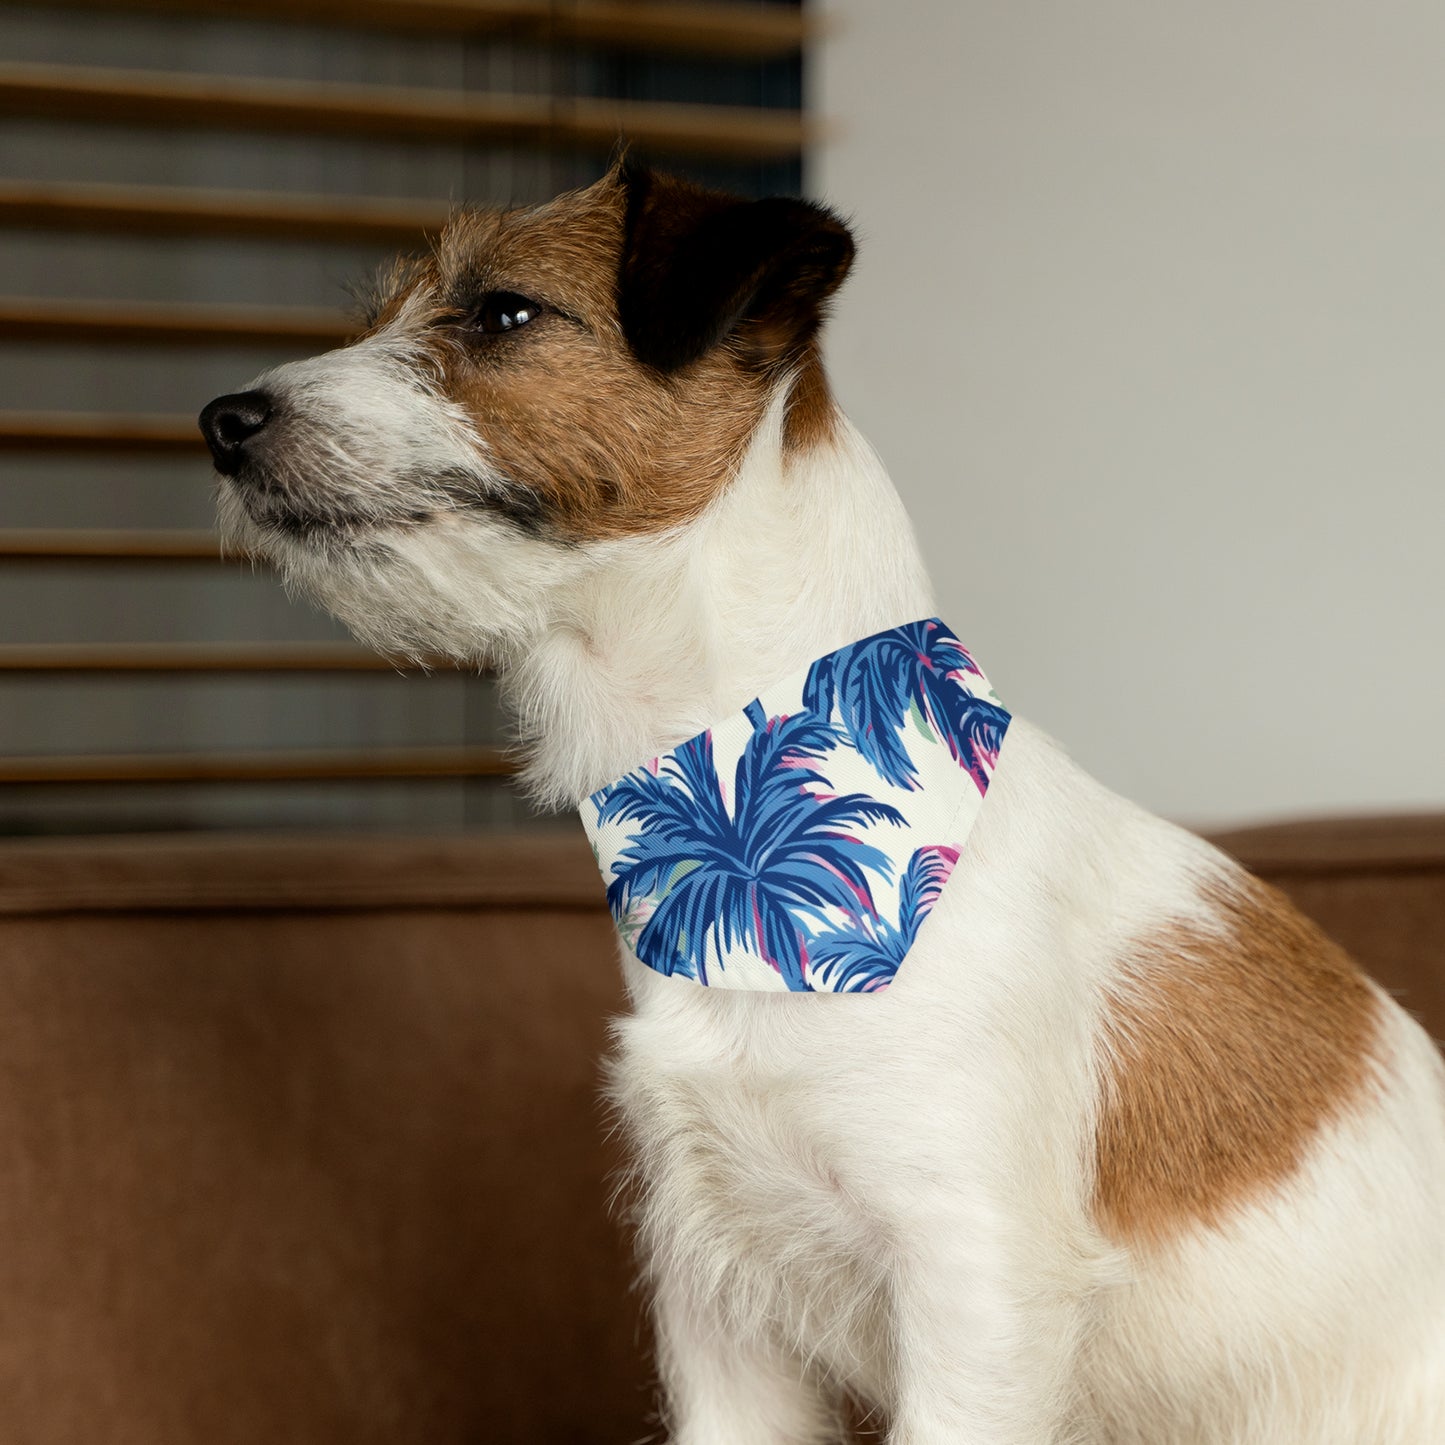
(259, 767)
(77, 431)
(756, 32)
(175, 210)
(203, 657)
(709, 29)
(76, 544)
(170, 323)
(216, 102)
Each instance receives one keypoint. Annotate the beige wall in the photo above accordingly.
(1149, 324)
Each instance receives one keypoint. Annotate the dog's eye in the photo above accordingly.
(504, 311)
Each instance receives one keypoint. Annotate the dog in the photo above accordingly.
(1126, 1152)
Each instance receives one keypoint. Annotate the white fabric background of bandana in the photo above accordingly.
(812, 866)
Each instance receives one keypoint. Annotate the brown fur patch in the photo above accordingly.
(1226, 1054)
(607, 446)
(812, 413)
(604, 445)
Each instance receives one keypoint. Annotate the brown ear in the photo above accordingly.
(699, 266)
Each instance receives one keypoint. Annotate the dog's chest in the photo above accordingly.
(751, 1183)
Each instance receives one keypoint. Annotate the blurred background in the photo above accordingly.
(1146, 323)
(187, 191)
(1149, 324)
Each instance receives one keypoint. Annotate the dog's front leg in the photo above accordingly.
(985, 1347)
(721, 1388)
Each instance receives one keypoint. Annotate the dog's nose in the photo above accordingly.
(229, 422)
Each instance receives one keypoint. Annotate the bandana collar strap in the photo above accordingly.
(800, 845)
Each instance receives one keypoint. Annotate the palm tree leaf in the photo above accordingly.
(867, 955)
(922, 883)
(983, 730)
(908, 674)
(683, 793)
(787, 857)
(852, 963)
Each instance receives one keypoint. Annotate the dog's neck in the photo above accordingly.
(803, 553)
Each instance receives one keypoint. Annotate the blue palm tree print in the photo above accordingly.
(747, 878)
(801, 843)
(864, 959)
(908, 675)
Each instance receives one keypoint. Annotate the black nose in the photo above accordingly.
(229, 422)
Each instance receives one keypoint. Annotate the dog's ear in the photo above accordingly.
(699, 266)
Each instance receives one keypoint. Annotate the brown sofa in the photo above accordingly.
(301, 1138)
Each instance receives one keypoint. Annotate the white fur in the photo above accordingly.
(891, 1194)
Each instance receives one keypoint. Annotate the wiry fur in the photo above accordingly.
(897, 1196)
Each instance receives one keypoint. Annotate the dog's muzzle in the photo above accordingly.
(230, 422)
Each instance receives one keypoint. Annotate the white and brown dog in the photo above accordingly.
(1129, 1153)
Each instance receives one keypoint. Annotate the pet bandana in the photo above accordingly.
(800, 844)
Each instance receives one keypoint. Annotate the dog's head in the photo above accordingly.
(548, 383)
